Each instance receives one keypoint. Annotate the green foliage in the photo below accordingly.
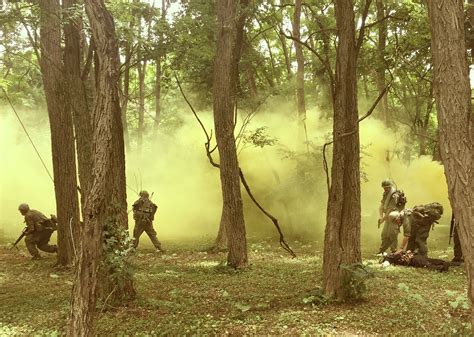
(258, 138)
(118, 246)
(354, 281)
(317, 297)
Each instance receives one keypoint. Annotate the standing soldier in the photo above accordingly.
(144, 213)
(393, 201)
(38, 231)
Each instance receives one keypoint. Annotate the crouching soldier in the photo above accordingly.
(38, 231)
(423, 219)
(144, 213)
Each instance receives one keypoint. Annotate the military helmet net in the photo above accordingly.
(144, 194)
(386, 183)
(23, 207)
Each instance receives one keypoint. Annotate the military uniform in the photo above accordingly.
(423, 218)
(407, 258)
(144, 213)
(38, 232)
(390, 228)
(390, 231)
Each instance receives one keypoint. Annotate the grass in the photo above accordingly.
(187, 291)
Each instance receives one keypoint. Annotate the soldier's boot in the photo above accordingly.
(36, 257)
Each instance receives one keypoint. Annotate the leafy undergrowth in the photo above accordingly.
(189, 291)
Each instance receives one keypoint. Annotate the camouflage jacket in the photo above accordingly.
(144, 210)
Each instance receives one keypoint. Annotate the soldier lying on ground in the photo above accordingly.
(38, 231)
(407, 258)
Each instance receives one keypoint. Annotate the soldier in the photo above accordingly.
(407, 258)
(391, 205)
(38, 231)
(423, 219)
(144, 213)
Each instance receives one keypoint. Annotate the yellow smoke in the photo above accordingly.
(186, 188)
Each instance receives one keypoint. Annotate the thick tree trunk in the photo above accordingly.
(78, 98)
(62, 134)
(381, 66)
(229, 41)
(300, 103)
(456, 133)
(342, 236)
(106, 206)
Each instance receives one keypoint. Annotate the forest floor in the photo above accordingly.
(190, 292)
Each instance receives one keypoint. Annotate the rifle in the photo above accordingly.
(22, 235)
(451, 228)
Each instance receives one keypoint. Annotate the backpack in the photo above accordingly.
(401, 200)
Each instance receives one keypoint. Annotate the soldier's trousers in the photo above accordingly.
(389, 236)
(457, 245)
(419, 237)
(40, 240)
(146, 227)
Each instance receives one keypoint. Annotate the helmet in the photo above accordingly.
(386, 183)
(24, 208)
(144, 194)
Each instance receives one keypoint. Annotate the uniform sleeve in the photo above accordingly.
(406, 226)
(30, 223)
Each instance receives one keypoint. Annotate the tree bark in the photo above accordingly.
(126, 89)
(456, 133)
(342, 235)
(78, 97)
(229, 41)
(300, 102)
(159, 58)
(61, 125)
(381, 65)
(106, 206)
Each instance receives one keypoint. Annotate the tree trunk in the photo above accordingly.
(126, 90)
(106, 207)
(456, 134)
(229, 41)
(141, 101)
(78, 98)
(159, 58)
(300, 103)
(381, 66)
(62, 134)
(284, 49)
(342, 235)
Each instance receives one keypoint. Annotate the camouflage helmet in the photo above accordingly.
(386, 183)
(24, 208)
(144, 194)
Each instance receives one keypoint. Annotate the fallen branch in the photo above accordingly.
(283, 243)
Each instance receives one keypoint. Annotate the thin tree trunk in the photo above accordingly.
(456, 133)
(62, 134)
(126, 90)
(342, 235)
(141, 101)
(159, 59)
(300, 102)
(229, 41)
(286, 55)
(78, 98)
(381, 66)
(106, 206)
